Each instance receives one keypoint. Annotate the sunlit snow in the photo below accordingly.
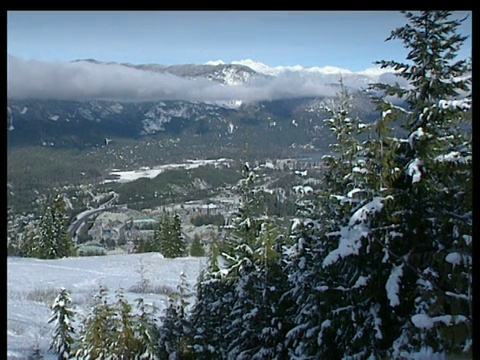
(417, 134)
(463, 104)
(351, 235)
(413, 170)
(455, 157)
(33, 284)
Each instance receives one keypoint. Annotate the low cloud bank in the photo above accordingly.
(84, 80)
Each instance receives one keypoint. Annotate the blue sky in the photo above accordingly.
(345, 39)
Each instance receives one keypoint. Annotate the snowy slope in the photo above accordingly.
(31, 282)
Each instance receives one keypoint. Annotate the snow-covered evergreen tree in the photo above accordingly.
(175, 331)
(97, 332)
(28, 239)
(172, 242)
(260, 300)
(433, 195)
(196, 247)
(178, 240)
(52, 240)
(146, 330)
(237, 247)
(401, 220)
(124, 341)
(62, 319)
(327, 297)
(151, 244)
(238, 312)
(244, 286)
(165, 234)
(240, 270)
(380, 264)
(211, 309)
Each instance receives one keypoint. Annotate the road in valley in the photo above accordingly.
(80, 218)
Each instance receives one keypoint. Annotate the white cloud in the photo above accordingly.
(85, 81)
(392, 78)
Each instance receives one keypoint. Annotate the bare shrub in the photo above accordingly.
(45, 295)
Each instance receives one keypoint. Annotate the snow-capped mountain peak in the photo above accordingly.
(259, 67)
(268, 70)
(215, 62)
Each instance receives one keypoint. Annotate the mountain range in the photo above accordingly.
(373, 72)
(245, 71)
(267, 99)
(73, 123)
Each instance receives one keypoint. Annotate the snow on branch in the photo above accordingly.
(345, 199)
(297, 330)
(456, 258)
(324, 325)
(353, 192)
(423, 321)
(351, 235)
(386, 112)
(414, 170)
(361, 281)
(297, 224)
(463, 104)
(360, 170)
(361, 215)
(417, 134)
(393, 285)
(303, 189)
(454, 157)
(349, 243)
(377, 321)
(457, 296)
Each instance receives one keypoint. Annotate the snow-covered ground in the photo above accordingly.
(32, 283)
(127, 176)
